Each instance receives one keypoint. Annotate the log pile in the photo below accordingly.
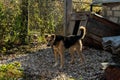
(97, 28)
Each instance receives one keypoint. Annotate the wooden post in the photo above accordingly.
(67, 15)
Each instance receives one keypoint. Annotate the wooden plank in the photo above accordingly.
(77, 19)
(100, 31)
(78, 16)
(105, 21)
(88, 41)
(97, 28)
(95, 37)
(94, 40)
(101, 28)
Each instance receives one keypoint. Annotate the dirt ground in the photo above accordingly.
(39, 65)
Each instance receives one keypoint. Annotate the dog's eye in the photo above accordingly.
(47, 40)
(50, 40)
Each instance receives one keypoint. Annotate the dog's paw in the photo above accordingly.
(61, 67)
(55, 64)
(72, 62)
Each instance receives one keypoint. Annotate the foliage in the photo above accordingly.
(44, 16)
(83, 5)
(11, 71)
(10, 21)
(13, 23)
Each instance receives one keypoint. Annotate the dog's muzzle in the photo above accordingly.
(48, 44)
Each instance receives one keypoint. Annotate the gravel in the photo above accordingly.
(39, 65)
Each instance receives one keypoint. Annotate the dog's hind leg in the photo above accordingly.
(71, 51)
(79, 51)
(81, 56)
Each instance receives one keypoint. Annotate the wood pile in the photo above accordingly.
(97, 28)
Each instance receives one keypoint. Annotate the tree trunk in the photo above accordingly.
(24, 24)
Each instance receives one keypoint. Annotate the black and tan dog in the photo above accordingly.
(60, 43)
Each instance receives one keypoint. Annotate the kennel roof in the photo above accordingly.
(100, 2)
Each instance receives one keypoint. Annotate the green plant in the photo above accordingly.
(81, 78)
(10, 22)
(11, 71)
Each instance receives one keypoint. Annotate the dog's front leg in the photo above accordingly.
(61, 58)
(56, 57)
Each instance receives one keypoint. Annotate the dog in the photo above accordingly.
(72, 42)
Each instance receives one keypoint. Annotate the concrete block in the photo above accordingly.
(109, 13)
(118, 20)
(117, 13)
(108, 8)
(116, 7)
(113, 19)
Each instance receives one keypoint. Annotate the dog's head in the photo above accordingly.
(50, 39)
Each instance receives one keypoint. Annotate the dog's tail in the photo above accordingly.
(83, 32)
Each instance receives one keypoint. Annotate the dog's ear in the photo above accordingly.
(46, 35)
(53, 36)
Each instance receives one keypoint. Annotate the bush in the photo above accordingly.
(11, 71)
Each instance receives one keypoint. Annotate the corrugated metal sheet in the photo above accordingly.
(104, 1)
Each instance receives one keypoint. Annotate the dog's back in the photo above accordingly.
(72, 39)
